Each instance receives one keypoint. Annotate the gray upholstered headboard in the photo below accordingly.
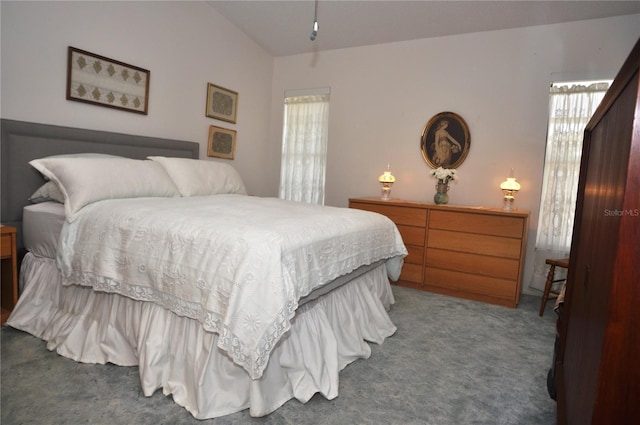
(23, 141)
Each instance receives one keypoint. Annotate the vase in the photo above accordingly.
(441, 197)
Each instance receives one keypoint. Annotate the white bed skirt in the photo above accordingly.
(175, 353)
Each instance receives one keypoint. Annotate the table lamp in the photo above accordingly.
(386, 179)
(509, 187)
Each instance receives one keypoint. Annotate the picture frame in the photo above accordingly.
(222, 104)
(454, 140)
(222, 142)
(98, 80)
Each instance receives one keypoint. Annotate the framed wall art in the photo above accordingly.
(222, 142)
(445, 140)
(222, 104)
(95, 79)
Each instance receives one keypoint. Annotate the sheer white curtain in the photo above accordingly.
(570, 108)
(304, 148)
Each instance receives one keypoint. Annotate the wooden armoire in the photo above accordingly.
(598, 362)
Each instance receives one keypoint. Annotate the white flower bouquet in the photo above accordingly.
(445, 175)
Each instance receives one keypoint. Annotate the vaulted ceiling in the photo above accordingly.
(283, 27)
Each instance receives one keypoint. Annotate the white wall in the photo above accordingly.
(382, 96)
(185, 45)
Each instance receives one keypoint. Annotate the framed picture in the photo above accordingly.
(445, 141)
(102, 81)
(222, 142)
(222, 104)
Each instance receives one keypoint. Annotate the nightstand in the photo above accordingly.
(9, 280)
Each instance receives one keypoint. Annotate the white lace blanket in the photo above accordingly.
(237, 264)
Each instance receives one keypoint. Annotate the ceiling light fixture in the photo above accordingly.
(314, 32)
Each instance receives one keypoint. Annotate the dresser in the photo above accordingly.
(473, 253)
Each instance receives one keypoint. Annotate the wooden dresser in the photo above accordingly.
(473, 253)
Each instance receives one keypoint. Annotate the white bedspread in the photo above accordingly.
(237, 264)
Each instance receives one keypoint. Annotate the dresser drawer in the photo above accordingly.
(474, 243)
(412, 235)
(503, 268)
(470, 283)
(411, 273)
(415, 256)
(399, 215)
(486, 224)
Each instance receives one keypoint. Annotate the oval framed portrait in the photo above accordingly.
(445, 140)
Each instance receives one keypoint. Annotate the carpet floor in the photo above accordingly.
(451, 362)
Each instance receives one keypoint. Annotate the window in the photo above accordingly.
(571, 106)
(304, 145)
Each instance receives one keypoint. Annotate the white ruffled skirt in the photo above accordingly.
(174, 353)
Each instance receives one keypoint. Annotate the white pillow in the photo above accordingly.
(46, 193)
(85, 180)
(49, 191)
(195, 177)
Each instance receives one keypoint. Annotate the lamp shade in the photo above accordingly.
(510, 184)
(387, 177)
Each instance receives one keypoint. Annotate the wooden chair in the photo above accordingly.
(549, 293)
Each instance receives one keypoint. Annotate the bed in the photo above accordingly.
(224, 301)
